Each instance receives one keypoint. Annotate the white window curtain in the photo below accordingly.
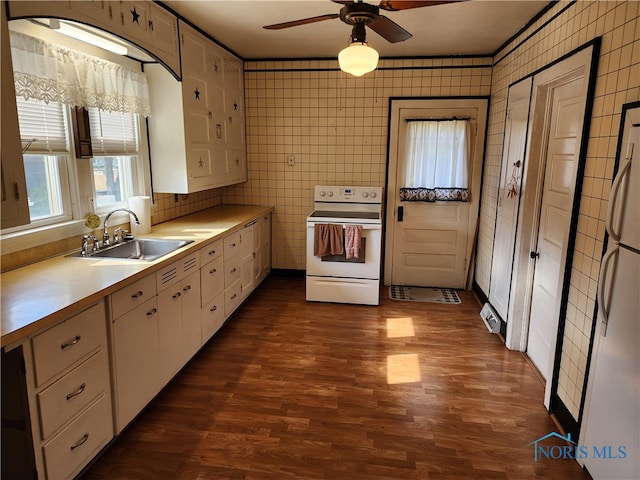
(436, 161)
(52, 73)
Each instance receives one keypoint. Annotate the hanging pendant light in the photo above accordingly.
(358, 58)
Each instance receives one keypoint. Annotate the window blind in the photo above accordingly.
(113, 133)
(43, 126)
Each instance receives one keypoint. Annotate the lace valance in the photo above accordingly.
(52, 73)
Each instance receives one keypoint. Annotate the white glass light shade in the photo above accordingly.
(358, 59)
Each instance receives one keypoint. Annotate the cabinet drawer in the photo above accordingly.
(231, 245)
(211, 280)
(68, 396)
(232, 271)
(212, 317)
(211, 252)
(129, 297)
(232, 297)
(66, 343)
(79, 441)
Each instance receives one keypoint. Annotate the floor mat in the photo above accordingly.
(423, 294)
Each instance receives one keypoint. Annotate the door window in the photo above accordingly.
(437, 159)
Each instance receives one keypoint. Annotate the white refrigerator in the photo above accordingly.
(610, 436)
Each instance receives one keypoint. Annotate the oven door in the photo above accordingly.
(366, 266)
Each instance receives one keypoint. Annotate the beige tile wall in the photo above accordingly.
(167, 206)
(335, 125)
(618, 82)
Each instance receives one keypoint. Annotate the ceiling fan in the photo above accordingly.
(358, 14)
(359, 58)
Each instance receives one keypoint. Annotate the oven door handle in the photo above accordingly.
(364, 225)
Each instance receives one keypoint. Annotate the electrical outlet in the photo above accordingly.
(291, 159)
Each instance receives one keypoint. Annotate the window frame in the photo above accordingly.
(82, 197)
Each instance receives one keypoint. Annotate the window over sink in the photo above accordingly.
(64, 182)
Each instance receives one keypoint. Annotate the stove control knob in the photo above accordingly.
(365, 194)
(374, 194)
(330, 193)
(322, 193)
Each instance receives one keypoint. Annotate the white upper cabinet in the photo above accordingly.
(15, 208)
(208, 149)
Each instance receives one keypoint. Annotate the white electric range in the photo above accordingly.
(335, 278)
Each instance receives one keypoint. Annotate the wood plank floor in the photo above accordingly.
(296, 390)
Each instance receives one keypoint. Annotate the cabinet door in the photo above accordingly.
(38, 8)
(211, 280)
(236, 165)
(246, 279)
(136, 18)
(15, 208)
(234, 108)
(170, 331)
(246, 251)
(136, 355)
(101, 13)
(191, 315)
(212, 317)
(265, 250)
(163, 28)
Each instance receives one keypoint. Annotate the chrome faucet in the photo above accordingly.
(105, 236)
(85, 244)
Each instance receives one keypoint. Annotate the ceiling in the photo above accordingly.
(474, 27)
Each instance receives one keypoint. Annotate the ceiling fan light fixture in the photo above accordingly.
(358, 58)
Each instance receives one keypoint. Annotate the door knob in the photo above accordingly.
(534, 254)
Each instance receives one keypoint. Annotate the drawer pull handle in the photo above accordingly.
(234, 296)
(80, 442)
(66, 345)
(77, 392)
(212, 271)
(186, 289)
(212, 252)
(213, 309)
(176, 295)
(234, 270)
(138, 294)
(232, 245)
(152, 312)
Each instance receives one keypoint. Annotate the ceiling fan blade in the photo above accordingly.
(304, 21)
(395, 5)
(389, 30)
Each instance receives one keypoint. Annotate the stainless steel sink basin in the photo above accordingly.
(138, 249)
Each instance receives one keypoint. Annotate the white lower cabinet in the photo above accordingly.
(179, 313)
(88, 376)
(69, 389)
(136, 356)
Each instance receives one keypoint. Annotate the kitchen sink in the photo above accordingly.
(138, 249)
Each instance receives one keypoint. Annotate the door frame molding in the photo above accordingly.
(580, 62)
(458, 106)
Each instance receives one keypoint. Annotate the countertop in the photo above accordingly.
(36, 296)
